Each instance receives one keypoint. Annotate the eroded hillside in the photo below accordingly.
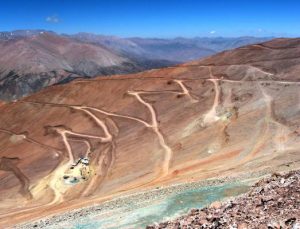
(86, 141)
(33, 59)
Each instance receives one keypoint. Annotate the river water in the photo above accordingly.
(139, 214)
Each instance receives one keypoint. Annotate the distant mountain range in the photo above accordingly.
(175, 50)
(33, 59)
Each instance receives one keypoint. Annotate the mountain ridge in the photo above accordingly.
(33, 59)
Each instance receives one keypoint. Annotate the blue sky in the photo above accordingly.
(154, 18)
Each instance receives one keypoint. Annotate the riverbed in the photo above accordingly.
(140, 212)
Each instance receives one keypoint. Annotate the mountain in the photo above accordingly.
(11, 35)
(137, 148)
(30, 63)
(161, 49)
(33, 59)
(176, 50)
(183, 49)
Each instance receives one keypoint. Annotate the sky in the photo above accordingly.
(155, 18)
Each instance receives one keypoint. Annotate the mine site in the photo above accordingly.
(133, 132)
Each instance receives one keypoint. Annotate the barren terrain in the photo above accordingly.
(271, 203)
(231, 114)
(33, 59)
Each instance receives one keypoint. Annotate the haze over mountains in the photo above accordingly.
(234, 114)
(33, 59)
(177, 50)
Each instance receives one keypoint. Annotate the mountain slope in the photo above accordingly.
(175, 50)
(233, 114)
(33, 59)
(30, 63)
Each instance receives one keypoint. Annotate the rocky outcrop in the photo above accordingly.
(272, 203)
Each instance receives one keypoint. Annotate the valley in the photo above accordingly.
(34, 59)
(232, 117)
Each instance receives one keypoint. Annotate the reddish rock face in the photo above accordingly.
(216, 204)
(90, 140)
(243, 226)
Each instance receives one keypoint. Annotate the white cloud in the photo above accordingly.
(212, 32)
(52, 19)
